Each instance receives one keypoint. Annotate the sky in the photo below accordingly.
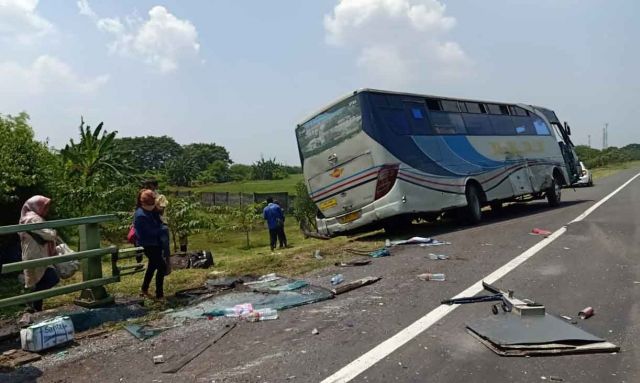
(243, 73)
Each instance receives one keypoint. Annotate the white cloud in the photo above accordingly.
(45, 74)
(20, 22)
(85, 9)
(398, 41)
(162, 41)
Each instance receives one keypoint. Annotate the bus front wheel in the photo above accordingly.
(472, 213)
(554, 193)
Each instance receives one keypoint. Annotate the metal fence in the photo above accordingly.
(90, 253)
(237, 199)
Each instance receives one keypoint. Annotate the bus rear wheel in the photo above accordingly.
(472, 213)
(554, 193)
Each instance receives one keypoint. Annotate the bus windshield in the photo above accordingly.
(329, 128)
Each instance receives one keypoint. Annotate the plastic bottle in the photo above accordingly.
(337, 279)
(262, 314)
(432, 277)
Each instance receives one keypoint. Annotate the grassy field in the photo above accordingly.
(231, 257)
(612, 169)
(285, 185)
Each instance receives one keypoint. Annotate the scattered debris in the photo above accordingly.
(434, 257)
(337, 279)
(537, 231)
(567, 318)
(263, 279)
(47, 334)
(354, 285)
(377, 253)
(556, 379)
(566, 248)
(486, 244)
(16, 357)
(157, 359)
(440, 277)
(317, 255)
(315, 331)
(357, 262)
(586, 313)
(525, 329)
(200, 259)
(636, 282)
(145, 332)
(422, 241)
(177, 366)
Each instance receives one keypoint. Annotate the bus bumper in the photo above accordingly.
(375, 212)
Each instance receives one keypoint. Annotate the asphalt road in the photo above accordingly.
(595, 263)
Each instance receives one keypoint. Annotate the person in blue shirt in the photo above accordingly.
(149, 232)
(274, 216)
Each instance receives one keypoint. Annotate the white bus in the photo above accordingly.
(375, 158)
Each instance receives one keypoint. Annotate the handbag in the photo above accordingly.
(66, 269)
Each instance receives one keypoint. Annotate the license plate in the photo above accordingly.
(328, 204)
(350, 217)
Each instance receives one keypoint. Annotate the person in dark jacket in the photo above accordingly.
(282, 237)
(149, 231)
(274, 216)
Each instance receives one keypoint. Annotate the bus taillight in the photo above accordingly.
(386, 179)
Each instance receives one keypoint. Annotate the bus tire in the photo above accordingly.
(554, 193)
(472, 213)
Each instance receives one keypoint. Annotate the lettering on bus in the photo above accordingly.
(518, 148)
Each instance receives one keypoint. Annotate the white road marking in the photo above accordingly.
(385, 348)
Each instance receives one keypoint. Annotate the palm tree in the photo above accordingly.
(94, 157)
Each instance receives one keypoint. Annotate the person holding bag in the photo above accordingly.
(149, 231)
(37, 244)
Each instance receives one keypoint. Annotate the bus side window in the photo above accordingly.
(447, 123)
(541, 128)
(524, 125)
(478, 124)
(503, 125)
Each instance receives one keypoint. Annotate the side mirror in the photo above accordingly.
(567, 128)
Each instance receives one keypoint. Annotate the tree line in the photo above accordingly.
(99, 172)
(595, 158)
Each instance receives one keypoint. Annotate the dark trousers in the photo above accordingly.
(156, 262)
(48, 280)
(273, 237)
(282, 237)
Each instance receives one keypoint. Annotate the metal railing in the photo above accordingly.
(90, 253)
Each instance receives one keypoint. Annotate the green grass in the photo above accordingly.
(232, 258)
(285, 185)
(613, 169)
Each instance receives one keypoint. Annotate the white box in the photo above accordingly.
(47, 334)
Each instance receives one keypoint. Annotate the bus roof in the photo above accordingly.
(547, 112)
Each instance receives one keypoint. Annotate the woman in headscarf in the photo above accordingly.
(149, 230)
(38, 244)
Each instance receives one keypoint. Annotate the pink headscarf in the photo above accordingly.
(36, 205)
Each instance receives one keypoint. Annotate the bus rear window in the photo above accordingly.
(336, 124)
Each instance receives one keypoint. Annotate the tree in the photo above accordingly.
(239, 172)
(216, 172)
(304, 209)
(204, 154)
(185, 219)
(95, 179)
(268, 170)
(149, 153)
(246, 218)
(27, 167)
(181, 171)
(93, 156)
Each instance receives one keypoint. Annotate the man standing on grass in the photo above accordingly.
(275, 221)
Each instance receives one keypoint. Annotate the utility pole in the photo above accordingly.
(606, 135)
(589, 140)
